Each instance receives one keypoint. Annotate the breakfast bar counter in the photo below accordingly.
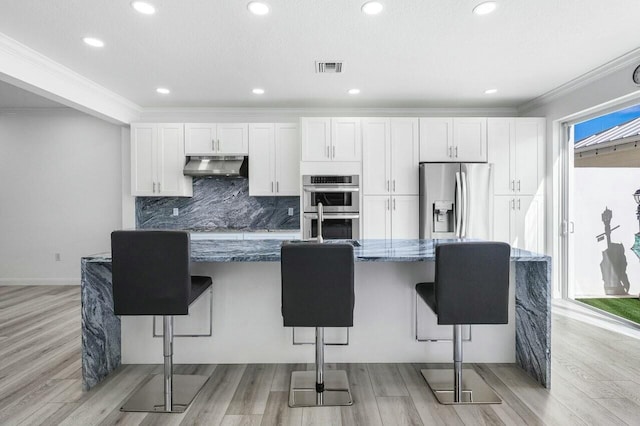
(247, 324)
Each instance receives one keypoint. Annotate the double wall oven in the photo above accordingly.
(340, 199)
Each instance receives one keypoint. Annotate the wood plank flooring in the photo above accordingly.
(596, 381)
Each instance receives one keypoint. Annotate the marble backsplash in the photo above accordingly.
(218, 204)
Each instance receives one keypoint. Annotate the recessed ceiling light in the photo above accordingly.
(485, 8)
(163, 90)
(94, 42)
(258, 8)
(143, 7)
(354, 91)
(372, 7)
(490, 91)
(258, 91)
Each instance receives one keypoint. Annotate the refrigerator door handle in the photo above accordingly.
(465, 205)
(458, 206)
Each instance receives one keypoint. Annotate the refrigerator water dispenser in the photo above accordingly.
(443, 220)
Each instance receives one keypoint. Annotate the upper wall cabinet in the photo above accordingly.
(516, 148)
(461, 139)
(157, 161)
(274, 159)
(331, 139)
(390, 156)
(216, 139)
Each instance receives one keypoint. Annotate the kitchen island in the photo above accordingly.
(247, 324)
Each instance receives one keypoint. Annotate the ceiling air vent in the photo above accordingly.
(328, 66)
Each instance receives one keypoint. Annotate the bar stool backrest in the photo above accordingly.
(151, 274)
(317, 285)
(472, 283)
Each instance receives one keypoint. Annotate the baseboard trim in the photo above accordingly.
(39, 281)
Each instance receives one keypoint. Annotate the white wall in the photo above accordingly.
(596, 189)
(60, 192)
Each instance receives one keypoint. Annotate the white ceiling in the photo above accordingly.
(417, 53)
(14, 97)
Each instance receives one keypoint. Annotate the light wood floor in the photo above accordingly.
(596, 381)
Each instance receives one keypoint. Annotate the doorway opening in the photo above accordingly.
(604, 214)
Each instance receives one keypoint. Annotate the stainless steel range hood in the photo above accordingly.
(216, 166)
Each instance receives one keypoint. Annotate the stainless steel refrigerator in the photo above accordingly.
(456, 200)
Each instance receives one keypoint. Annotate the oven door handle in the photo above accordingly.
(329, 189)
(332, 216)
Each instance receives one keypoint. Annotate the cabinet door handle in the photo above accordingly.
(513, 204)
(159, 188)
(394, 185)
(271, 186)
(513, 185)
(394, 203)
(154, 187)
(277, 186)
(518, 185)
(387, 184)
(328, 152)
(218, 145)
(213, 144)
(334, 151)
(387, 203)
(518, 203)
(450, 152)
(456, 152)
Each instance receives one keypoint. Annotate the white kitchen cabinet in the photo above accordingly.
(274, 159)
(331, 139)
(390, 158)
(390, 217)
(519, 221)
(202, 139)
(376, 217)
(516, 148)
(460, 139)
(157, 160)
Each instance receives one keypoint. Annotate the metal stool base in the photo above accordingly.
(302, 392)
(474, 389)
(150, 397)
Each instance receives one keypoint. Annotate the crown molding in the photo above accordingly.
(32, 71)
(251, 112)
(628, 59)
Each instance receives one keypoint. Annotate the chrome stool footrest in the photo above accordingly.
(150, 397)
(474, 388)
(302, 392)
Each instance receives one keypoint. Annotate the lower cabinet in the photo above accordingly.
(519, 221)
(390, 217)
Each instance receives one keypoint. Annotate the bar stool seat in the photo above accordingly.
(199, 285)
(471, 287)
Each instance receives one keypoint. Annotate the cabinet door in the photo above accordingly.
(376, 217)
(376, 153)
(316, 139)
(143, 159)
(233, 139)
(200, 138)
(436, 139)
(529, 223)
(171, 161)
(405, 217)
(287, 171)
(501, 153)
(529, 147)
(503, 215)
(346, 140)
(405, 159)
(470, 139)
(261, 159)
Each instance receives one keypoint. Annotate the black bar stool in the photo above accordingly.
(318, 291)
(471, 287)
(151, 276)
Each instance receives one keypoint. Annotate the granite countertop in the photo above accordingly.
(364, 250)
